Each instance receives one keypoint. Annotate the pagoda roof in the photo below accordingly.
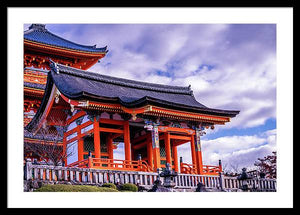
(34, 85)
(42, 137)
(39, 34)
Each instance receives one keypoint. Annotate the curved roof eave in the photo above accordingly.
(39, 34)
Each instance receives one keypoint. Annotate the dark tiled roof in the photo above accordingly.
(34, 85)
(79, 84)
(38, 33)
(43, 137)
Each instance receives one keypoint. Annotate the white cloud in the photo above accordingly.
(239, 151)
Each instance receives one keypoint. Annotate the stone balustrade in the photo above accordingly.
(75, 175)
(256, 184)
(191, 181)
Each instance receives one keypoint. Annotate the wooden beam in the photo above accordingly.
(173, 129)
(111, 130)
(140, 145)
(112, 122)
(114, 136)
(178, 137)
(140, 138)
(179, 142)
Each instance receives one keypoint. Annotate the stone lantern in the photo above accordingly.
(243, 177)
(168, 181)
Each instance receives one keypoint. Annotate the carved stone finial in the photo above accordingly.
(38, 27)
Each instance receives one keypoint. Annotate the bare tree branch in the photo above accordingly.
(49, 148)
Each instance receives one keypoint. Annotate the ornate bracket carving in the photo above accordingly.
(54, 66)
(79, 120)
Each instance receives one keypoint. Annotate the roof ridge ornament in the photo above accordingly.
(54, 66)
(38, 27)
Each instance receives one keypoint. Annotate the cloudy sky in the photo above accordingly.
(228, 67)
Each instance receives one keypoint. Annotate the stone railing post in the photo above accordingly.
(222, 181)
(28, 169)
(220, 166)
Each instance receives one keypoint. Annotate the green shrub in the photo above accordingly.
(110, 185)
(73, 188)
(129, 187)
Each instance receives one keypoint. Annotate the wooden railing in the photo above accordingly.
(139, 165)
(80, 164)
(206, 169)
(113, 164)
(48, 173)
(211, 170)
(187, 168)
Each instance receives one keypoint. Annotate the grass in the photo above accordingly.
(73, 188)
(129, 187)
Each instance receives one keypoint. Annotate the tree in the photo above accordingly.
(49, 149)
(267, 165)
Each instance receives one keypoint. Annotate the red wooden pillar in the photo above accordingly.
(156, 159)
(193, 151)
(80, 149)
(199, 162)
(80, 144)
(175, 157)
(168, 148)
(97, 146)
(155, 147)
(149, 152)
(110, 147)
(65, 153)
(127, 147)
(90, 162)
(199, 153)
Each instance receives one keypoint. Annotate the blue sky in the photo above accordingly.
(229, 67)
